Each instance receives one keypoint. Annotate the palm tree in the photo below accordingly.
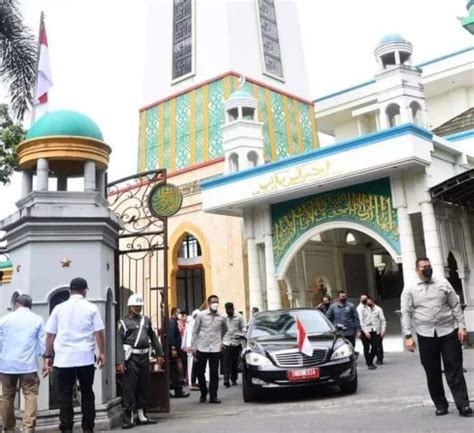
(17, 57)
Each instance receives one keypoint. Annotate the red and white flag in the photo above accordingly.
(44, 81)
(304, 346)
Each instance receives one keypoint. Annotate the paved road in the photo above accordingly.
(391, 399)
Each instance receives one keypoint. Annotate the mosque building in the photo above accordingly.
(270, 217)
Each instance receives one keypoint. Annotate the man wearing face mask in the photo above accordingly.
(176, 365)
(208, 333)
(344, 313)
(325, 304)
(430, 305)
(134, 334)
(367, 334)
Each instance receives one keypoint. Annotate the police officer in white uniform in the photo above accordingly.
(135, 333)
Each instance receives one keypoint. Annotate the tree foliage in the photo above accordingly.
(18, 56)
(11, 134)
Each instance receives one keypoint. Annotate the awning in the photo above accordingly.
(458, 190)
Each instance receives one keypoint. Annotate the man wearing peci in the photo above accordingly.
(72, 331)
(432, 308)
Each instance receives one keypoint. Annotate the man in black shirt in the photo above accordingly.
(134, 335)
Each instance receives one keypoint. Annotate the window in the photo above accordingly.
(270, 40)
(182, 38)
(248, 113)
(393, 115)
(234, 163)
(416, 113)
(190, 248)
(253, 158)
(233, 114)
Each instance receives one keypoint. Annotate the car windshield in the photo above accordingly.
(282, 324)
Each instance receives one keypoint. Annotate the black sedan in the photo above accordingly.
(271, 358)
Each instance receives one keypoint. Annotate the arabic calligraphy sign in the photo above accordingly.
(165, 200)
(369, 204)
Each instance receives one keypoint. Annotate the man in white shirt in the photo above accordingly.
(72, 330)
(21, 343)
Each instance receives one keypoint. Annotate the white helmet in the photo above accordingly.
(135, 301)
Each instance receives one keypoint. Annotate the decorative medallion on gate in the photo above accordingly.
(368, 204)
(165, 200)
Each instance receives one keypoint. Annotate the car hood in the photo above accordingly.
(322, 342)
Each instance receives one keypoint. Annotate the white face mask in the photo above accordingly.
(214, 306)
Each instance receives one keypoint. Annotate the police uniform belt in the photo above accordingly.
(140, 351)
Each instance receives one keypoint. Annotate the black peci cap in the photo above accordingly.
(78, 284)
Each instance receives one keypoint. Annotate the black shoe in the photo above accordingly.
(379, 362)
(147, 421)
(234, 383)
(127, 423)
(202, 399)
(227, 384)
(214, 400)
(372, 367)
(441, 411)
(466, 412)
(87, 431)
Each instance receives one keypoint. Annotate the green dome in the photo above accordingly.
(240, 94)
(64, 123)
(6, 264)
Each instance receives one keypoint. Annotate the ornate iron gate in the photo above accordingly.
(141, 264)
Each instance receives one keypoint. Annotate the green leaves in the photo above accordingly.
(18, 57)
(11, 135)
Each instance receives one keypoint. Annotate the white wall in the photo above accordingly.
(444, 107)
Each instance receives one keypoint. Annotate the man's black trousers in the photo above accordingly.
(230, 360)
(66, 378)
(449, 348)
(213, 358)
(136, 383)
(371, 346)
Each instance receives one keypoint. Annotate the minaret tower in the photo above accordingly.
(399, 87)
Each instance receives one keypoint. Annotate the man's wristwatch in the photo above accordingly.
(408, 336)
(45, 356)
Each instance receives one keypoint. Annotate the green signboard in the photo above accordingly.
(165, 200)
(368, 204)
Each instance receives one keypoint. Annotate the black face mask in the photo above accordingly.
(427, 272)
(326, 303)
(364, 301)
(343, 300)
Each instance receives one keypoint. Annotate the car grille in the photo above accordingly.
(294, 358)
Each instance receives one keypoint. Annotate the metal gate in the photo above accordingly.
(141, 263)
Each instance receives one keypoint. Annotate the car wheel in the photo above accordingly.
(248, 393)
(349, 387)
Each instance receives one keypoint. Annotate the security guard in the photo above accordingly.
(135, 334)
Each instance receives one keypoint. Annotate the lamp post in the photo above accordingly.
(468, 22)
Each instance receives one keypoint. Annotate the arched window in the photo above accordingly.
(252, 158)
(351, 239)
(233, 114)
(190, 248)
(234, 163)
(393, 115)
(416, 113)
(248, 113)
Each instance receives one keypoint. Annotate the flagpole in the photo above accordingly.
(38, 50)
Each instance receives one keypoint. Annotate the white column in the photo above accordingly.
(301, 283)
(407, 244)
(273, 290)
(42, 169)
(26, 182)
(100, 181)
(89, 176)
(432, 244)
(466, 230)
(255, 287)
(405, 230)
(397, 58)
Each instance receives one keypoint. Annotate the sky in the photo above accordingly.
(97, 50)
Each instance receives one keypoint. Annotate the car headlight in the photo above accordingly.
(343, 351)
(253, 358)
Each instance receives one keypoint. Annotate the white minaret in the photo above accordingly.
(399, 87)
(243, 135)
(192, 41)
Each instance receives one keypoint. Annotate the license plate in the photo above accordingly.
(304, 374)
